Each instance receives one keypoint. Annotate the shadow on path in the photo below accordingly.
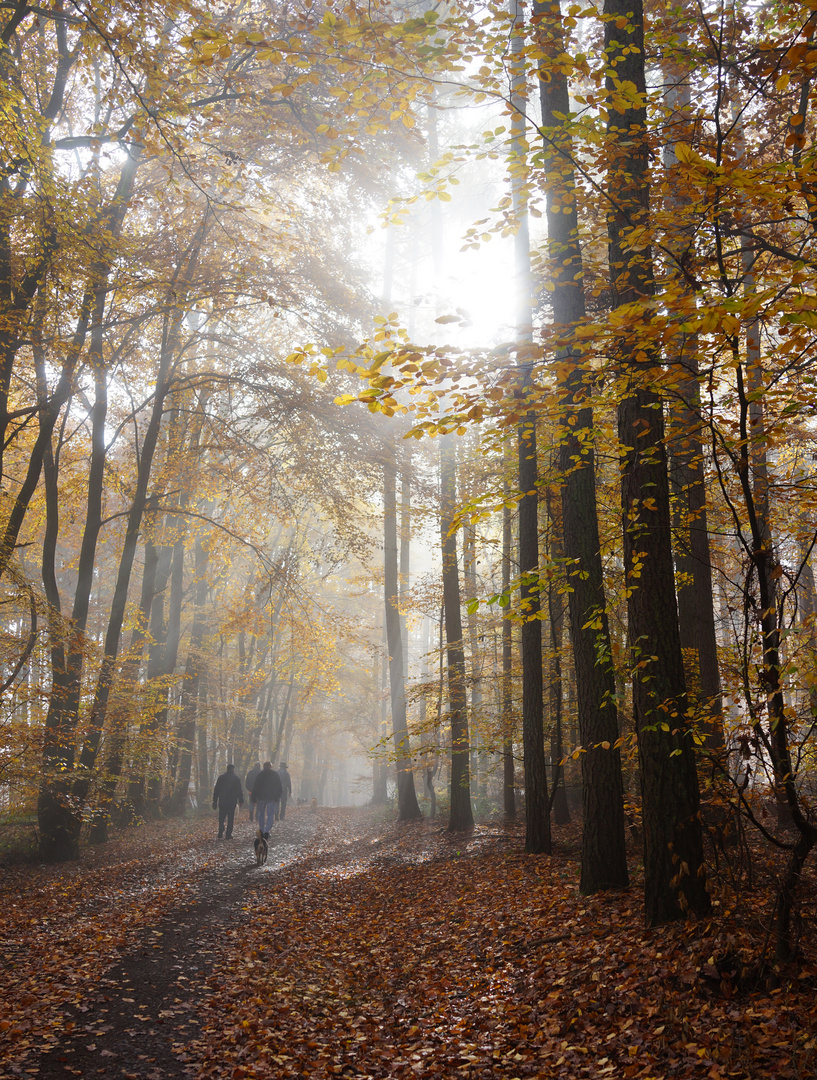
(139, 1020)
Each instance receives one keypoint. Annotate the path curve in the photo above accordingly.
(138, 1022)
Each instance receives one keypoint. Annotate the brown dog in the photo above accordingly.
(314, 806)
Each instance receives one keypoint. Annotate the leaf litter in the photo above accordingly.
(377, 950)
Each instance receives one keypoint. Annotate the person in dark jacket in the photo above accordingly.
(226, 795)
(286, 790)
(249, 780)
(266, 792)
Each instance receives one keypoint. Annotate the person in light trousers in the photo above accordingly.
(266, 794)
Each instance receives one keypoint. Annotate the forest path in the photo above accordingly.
(376, 950)
(137, 1018)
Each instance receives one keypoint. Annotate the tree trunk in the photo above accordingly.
(673, 849)
(57, 817)
(194, 670)
(380, 768)
(405, 548)
(99, 708)
(508, 780)
(478, 771)
(696, 607)
(537, 817)
(604, 863)
(462, 817)
(407, 805)
(558, 795)
(122, 705)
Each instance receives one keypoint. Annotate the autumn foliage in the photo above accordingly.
(190, 529)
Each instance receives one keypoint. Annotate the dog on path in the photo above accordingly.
(261, 848)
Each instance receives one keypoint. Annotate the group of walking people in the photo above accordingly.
(268, 792)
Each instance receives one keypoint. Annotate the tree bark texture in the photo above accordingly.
(604, 863)
(194, 669)
(537, 817)
(558, 795)
(508, 770)
(407, 805)
(478, 772)
(119, 709)
(696, 607)
(58, 821)
(461, 817)
(537, 809)
(673, 849)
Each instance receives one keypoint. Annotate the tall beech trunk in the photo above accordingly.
(508, 778)
(407, 805)
(99, 707)
(696, 601)
(537, 816)
(168, 623)
(430, 730)
(696, 610)
(478, 770)
(405, 548)
(248, 703)
(142, 791)
(558, 795)
(203, 785)
(380, 768)
(462, 817)
(284, 720)
(57, 819)
(673, 849)
(194, 670)
(807, 603)
(166, 634)
(604, 862)
(121, 705)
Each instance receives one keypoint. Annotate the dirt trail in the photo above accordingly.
(144, 1012)
(376, 950)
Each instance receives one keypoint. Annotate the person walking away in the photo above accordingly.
(266, 793)
(249, 780)
(227, 794)
(286, 789)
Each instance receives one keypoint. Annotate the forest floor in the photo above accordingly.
(370, 949)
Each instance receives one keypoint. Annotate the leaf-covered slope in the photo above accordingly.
(405, 953)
